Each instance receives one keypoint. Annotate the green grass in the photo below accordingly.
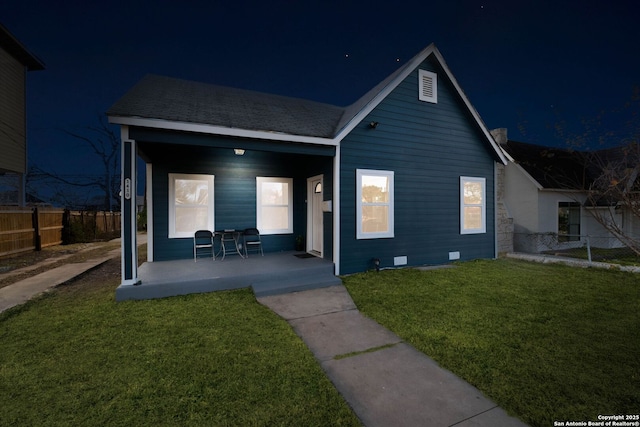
(76, 357)
(545, 342)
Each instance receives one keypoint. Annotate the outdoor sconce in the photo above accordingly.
(376, 263)
(373, 125)
(239, 151)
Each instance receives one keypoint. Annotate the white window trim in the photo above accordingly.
(259, 225)
(173, 234)
(483, 205)
(422, 74)
(359, 204)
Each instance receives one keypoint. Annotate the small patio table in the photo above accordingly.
(229, 242)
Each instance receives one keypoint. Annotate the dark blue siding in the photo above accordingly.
(234, 189)
(428, 146)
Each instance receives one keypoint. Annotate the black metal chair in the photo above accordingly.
(203, 241)
(252, 241)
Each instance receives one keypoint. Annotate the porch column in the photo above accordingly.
(128, 209)
(336, 211)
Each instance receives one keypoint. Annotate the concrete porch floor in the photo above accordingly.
(271, 274)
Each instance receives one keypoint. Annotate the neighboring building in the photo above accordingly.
(405, 175)
(546, 194)
(15, 61)
(9, 197)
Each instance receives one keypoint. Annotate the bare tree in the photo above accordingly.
(615, 187)
(612, 175)
(105, 144)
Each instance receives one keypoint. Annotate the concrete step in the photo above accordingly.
(300, 283)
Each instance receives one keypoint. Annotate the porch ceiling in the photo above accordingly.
(151, 140)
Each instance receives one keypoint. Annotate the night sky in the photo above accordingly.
(524, 65)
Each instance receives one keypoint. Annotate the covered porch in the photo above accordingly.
(271, 274)
(225, 159)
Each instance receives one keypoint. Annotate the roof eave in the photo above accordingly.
(219, 130)
(384, 92)
(19, 51)
(496, 148)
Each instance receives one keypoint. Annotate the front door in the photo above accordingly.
(314, 215)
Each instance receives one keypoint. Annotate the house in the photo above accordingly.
(546, 191)
(9, 197)
(405, 175)
(15, 62)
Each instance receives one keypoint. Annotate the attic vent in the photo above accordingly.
(428, 90)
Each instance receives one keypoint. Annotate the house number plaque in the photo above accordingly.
(127, 188)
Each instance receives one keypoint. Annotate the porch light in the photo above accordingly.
(239, 151)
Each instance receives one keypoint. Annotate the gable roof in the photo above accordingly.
(9, 43)
(357, 111)
(168, 103)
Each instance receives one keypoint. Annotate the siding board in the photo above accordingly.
(428, 146)
(12, 114)
(234, 191)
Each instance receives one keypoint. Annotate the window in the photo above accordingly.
(190, 204)
(274, 205)
(473, 205)
(428, 86)
(374, 204)
(568, 222)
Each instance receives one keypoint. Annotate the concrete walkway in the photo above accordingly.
(386, 381)
(572, 262)
(22, 291)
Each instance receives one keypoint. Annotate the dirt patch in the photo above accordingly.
(22, 266)
(106, 276)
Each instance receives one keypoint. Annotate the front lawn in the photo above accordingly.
(76, 357)
(545, 342)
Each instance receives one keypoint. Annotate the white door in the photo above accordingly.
(314, 215)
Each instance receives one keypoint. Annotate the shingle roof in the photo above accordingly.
(565, 169)
(164, 102)
(550, 167)
(176, 100)
(165, 98)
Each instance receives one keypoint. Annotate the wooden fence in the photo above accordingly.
(87, 226)
(28, 229)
